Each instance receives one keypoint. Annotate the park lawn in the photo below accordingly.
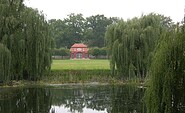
(80, 65)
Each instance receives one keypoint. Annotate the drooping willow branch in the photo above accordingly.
(131, 44)
(25, 35)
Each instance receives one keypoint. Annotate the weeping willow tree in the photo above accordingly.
(131, 44)
(9, 23)
(33, 45)
(5, 63)
(165, 93)
(24, 33)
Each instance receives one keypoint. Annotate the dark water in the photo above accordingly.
(73, 99)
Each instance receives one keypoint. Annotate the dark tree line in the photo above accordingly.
(77, 29)
(24, 42)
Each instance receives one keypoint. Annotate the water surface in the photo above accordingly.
(73, 99)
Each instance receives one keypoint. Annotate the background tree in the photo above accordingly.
(77, 29)
(68, 31)
(95, 29)
(57, 32)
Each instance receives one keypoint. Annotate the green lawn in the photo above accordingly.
(79, 64)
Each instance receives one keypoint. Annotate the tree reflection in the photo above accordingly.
(77, 99)
(127, 100)
(113, 99)
(27, 100)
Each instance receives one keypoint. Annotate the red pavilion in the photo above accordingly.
(79, 51)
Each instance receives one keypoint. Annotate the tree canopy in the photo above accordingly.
(151, 46)
(77, 29)
(131, 44)
(165, 93)
(24, 41)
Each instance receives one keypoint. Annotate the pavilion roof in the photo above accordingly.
(79, 45)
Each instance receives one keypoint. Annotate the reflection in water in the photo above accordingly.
(73, 99)
(62, 109)
(26, 100)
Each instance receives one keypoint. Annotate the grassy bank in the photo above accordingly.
(78, 76)
(77, 71)
(84, 76)
(81, 71)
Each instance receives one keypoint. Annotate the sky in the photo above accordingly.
(125, 9)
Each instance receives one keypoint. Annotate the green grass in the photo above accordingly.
(80, 65)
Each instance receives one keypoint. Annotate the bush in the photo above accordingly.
(98, 51)
(61, 52)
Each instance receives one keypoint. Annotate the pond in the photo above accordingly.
(73, 99)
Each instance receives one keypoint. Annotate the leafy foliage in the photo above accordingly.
(167, 75)
(24, 35)
(61, 52)
(77, 29)
(131, 44)
(5, 63)
(96, 51)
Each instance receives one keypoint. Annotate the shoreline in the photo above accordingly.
(76, 77)
(26, 83)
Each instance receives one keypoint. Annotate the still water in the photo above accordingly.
(73, 99)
